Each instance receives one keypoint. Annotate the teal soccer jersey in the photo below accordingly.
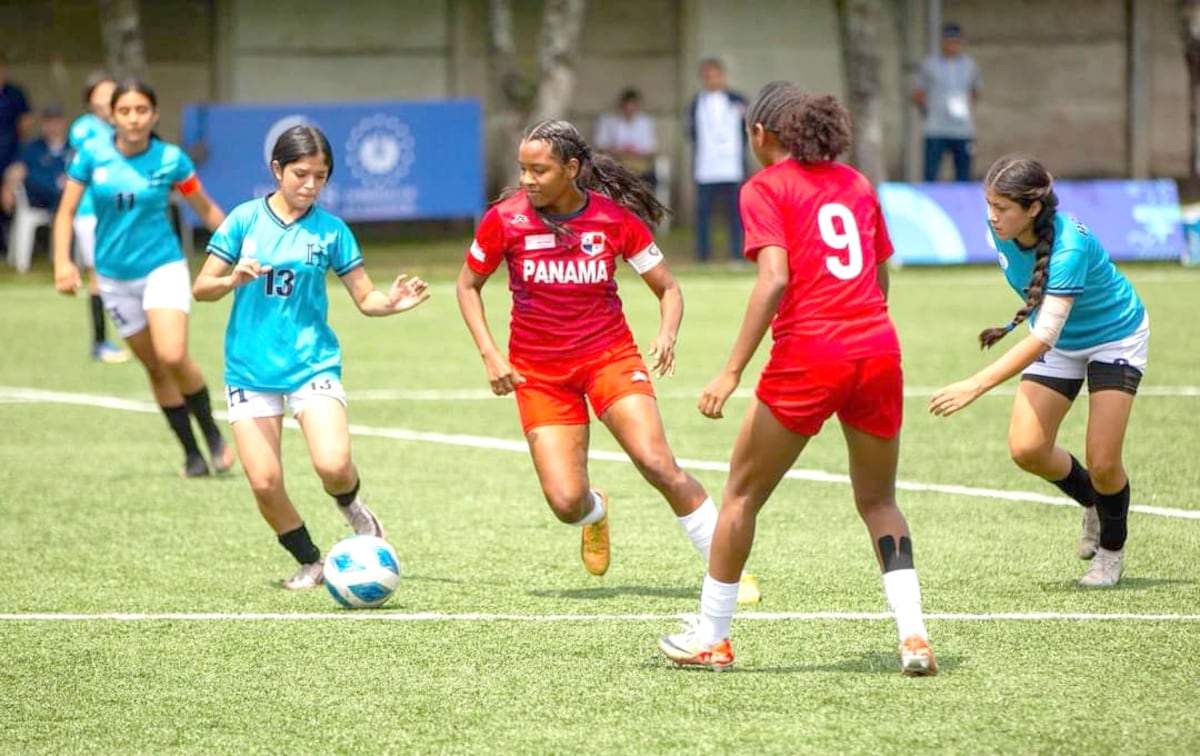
(1106, 308)
(278, 338)
(86, 128)
(133, 230)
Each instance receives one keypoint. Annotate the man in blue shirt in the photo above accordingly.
(41, 164)
(15, 123)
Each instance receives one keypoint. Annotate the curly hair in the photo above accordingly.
(1024, 180)
(600, 173)
(812, 128)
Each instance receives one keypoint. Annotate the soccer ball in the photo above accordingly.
(361, 571)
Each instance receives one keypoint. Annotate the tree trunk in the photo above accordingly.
(1189, 15)
(505, 117)
(121, 29)
(858, 25)
(562, 25)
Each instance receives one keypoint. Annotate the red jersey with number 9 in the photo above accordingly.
(827, 217)
(564, 291)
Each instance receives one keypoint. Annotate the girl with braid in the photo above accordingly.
(561, 233)
(816, 231)
(1086, 320)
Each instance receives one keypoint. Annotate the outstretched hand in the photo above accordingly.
(406, 293)
(950, 399)
(662, 350)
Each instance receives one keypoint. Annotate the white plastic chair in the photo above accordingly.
(26, 220)
(662, 191)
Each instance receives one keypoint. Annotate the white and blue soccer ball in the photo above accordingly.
(361, 571)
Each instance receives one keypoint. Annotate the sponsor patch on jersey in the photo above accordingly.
(639, 377)
(592, 243)
(1003, 261)
(100, 175)
(520, 218)
(539, 241)
(477, 251)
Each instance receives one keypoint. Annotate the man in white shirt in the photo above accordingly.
(629, 136)
(717, 127)
(946, 90)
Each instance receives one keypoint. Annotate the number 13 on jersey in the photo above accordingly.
(829, 217)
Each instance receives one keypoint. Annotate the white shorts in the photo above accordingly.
(245, 404)
(168, 287)
(1071, 364)
(85, 240)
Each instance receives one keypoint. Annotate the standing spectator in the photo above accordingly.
(946, 90)
(41, 164)
(628, 135)
(717, 127)
(15, 123)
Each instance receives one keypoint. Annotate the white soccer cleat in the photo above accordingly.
(1105, 569)
(308, 576)
(916, 657)
(362, 520)
(686, 651)
(1089, 536)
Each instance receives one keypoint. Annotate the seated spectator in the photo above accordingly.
(41, 164)
(628, 135)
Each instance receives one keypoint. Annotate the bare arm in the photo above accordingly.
(469, 291)
(66, 275)
(405, 293)
(764, 303)
(670, 305)
(956, 396)
(215, 279)
(209, 213)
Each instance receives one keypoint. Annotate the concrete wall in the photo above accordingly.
(1053, 88)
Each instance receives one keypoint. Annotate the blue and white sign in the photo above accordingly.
(938, 224)
(392, 160)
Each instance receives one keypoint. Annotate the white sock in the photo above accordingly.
(699, 526)
(597, 513)
(717, 602)
(904, 599)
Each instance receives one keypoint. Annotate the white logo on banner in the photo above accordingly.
(380, 150)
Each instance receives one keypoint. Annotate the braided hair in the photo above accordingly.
(600, 173)
(1022, 179)
(812, 128)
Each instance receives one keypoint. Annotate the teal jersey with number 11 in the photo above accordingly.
(277, 338)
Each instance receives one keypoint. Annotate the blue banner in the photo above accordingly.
(945, 224)
(392, 160)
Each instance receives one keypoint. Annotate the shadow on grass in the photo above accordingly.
(615, 591)
(1126, 584)
(867, 663)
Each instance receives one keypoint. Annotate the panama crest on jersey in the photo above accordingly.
(592, 243)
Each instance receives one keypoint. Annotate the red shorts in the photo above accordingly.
(867, 394)
(557, 393)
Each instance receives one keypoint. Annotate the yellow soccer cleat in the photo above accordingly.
(748, 589)
(593, 546)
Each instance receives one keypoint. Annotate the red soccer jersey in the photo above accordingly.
(828, 218)
(565, 302)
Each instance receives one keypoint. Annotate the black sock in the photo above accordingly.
(97, 320)
(201, 408)
(1078, 484)
(346, 499)
(893, 558)
(1114, 513)
(182, 425)
(299, 544)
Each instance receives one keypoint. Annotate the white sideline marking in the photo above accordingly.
(484, 617)
(502, 444)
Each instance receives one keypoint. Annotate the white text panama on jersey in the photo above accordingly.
(565, 271)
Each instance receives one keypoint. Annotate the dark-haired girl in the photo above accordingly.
(815, 229)
(273, 253)
(561, 234)
(144, 278)
(1086, 321)
(97, 98)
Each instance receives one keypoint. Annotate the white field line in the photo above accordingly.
(480, 394)
(502, 444)
(536, 618)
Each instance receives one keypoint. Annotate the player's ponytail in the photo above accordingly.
(597, 172)
(1024, 180)
(812, 128)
